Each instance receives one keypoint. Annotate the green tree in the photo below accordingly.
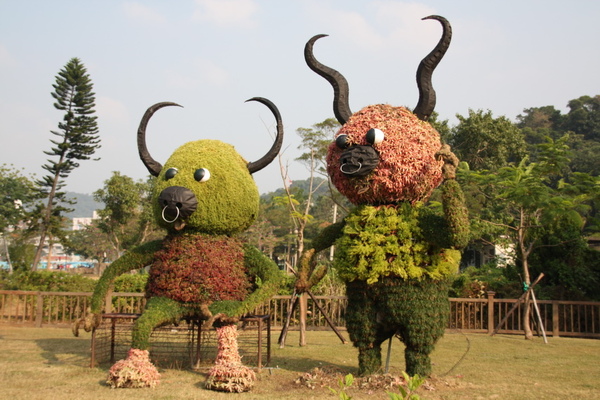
(92, 243)
(485, 142)
(17, 193)
(584, 117)
(316, 140)
(523, 201)
(75, 140)
(126, 218)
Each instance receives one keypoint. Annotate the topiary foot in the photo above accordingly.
(136, 371)
(229, 374)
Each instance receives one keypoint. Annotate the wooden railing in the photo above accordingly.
(559, 318)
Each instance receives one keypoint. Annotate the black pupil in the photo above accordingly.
(199, 174)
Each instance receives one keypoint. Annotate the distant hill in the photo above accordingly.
(85, 207)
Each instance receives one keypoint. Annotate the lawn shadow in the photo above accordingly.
(75, 351)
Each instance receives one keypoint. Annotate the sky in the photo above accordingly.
(212, 55)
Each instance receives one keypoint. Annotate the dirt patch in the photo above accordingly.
(330, 377)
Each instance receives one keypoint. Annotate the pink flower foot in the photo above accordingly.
(229, 374)
(136, 371)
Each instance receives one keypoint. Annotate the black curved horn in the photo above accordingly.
(426, 102)
(272, 153)
(153, 166)
(341, 108)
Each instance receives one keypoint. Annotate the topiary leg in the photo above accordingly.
(137, 371)
(159, 310)
(362, 326)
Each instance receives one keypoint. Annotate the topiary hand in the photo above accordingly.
(450, 162)
(89, 321)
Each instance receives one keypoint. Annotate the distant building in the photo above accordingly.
(479, 254)
(81, 223)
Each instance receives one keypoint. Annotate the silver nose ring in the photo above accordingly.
(350, 173)
(165, 218)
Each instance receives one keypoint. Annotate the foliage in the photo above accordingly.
(21, 251)
(368, 251)
(571, 269)
(91, 243)
(584, 117)
(343, 384)
(485, 142)
(136, 371)
(126, 219)
(46, 281)
(136, 258)
(229, 374)
(77, 140)
(316, 140)
(199, 269)
(17, 194)
(131, 283)
(406, 138)
(417, 311)
(412, 384)
(475, 282)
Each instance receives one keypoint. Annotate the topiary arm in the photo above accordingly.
(309, 273)
(456, 214)
(268, 281)
(453, 200)
(136, 258)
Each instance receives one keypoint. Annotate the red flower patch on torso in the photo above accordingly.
(199, 269)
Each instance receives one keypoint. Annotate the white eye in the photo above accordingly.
(375, 136)
(202, 175)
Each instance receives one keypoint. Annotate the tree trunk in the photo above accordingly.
(525, 251)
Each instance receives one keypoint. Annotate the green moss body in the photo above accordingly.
(416, 311)
(200, 269)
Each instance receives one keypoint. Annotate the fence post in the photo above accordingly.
(108, 302)
(490, 297)
(303, 302)
(39, 310)
(555, 319)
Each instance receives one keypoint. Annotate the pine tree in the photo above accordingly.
(76, 139)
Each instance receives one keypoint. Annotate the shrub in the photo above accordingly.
(46, 281)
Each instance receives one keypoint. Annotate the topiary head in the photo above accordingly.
(206, 186)
(384, 154)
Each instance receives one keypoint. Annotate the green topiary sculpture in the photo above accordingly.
(395, 254)
(204, 196)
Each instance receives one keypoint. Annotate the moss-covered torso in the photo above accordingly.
(394, 241)
(199, 269)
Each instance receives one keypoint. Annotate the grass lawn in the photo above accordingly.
(50, 363)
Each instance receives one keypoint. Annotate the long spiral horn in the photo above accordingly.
(341, 108)
(426, 103)
(274, 150)
(153, 166)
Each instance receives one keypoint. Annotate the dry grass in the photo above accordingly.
(50, 364)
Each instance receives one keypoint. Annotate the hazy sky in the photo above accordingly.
(212, 55)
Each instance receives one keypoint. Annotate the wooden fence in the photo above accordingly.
(560, 318)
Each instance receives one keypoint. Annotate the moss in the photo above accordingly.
(136, 258)
(457, 215)
(227, 202)
(159, 311)
(417, 311)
